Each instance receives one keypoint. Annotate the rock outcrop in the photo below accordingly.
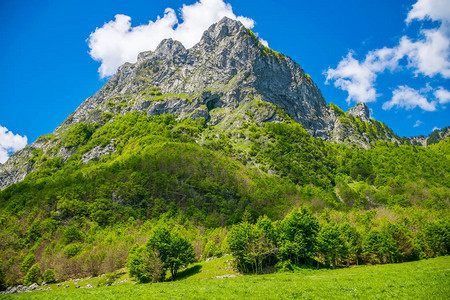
(361, 111)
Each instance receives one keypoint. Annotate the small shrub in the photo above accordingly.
(33, 275)
(71, 234)
(145, 265)
(49, 276)
(108, 279)
(72, 249)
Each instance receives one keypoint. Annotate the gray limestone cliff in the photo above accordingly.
(361, 111)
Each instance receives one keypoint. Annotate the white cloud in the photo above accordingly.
(408, 98)
(428, 55)
(442, 95)
(10, 142)
(358, 78)
(418, 123)
(117, 42)
(435, 128)
(429, 9)
(354, 77)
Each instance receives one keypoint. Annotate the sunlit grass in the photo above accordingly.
(426, 279)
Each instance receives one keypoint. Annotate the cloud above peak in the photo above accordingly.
(10, 142)
(427, 54)
(117, 41)
(409, 98)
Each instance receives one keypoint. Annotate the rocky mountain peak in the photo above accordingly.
(361, 111)
(224, 28)
(169, 48)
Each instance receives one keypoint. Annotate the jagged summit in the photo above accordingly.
(226, 27)
(228, 78)
(361, 111)
(169, 48)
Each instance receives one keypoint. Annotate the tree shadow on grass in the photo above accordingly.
(188, 272)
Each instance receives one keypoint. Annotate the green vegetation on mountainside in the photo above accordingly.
(82, 219)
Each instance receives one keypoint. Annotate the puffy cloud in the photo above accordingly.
(428, 55)
(354, 77)
(409, 98)
(417, 124)
(117, 42)
(10, 142)
(429, 9)
(442, 95)
(358, 78)
(435, 128)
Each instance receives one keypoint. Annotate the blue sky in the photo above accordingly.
(46, 69)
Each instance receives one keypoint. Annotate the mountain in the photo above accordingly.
(223, 141)
(229, 78)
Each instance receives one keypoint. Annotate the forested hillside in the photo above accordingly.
(83, 215)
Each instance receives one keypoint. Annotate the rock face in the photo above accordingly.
(361, 111)
(227, 78)
(16, 167)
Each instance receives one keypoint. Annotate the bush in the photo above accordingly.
(108, 279)
(71, 234)
(79, 134)
(145, 265)
(437, 235)
(72, 249)
(100, 211)
(33, 275)
(49, 276)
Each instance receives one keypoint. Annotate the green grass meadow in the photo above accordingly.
(426, 279)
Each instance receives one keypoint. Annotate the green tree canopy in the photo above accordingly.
(174, 250)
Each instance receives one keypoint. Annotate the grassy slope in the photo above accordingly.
(426, 279)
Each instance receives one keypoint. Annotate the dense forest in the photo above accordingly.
(166, 192)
